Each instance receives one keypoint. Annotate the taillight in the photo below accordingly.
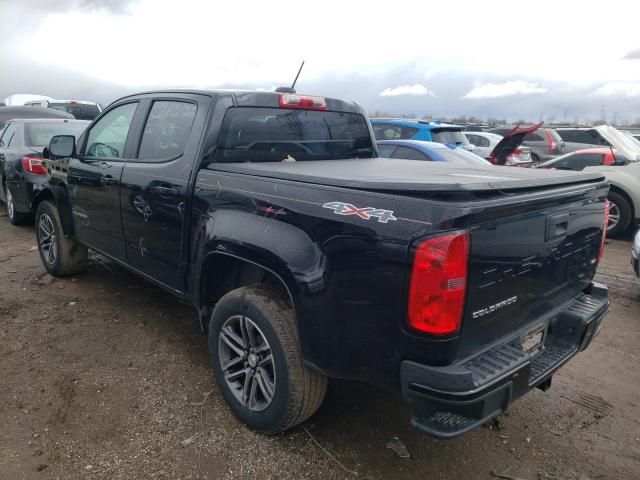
(439, 284)
(34, 165)
(604, 230)
(291, 100)
(552, 141)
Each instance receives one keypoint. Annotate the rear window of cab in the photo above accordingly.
(261, 134)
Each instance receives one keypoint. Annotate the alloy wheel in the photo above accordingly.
(47, 239)
(247, 363)
(614, 216)
(11, 209)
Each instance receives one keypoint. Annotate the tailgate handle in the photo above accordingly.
(557, 226)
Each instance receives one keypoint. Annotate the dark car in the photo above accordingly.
(82, 110)
(545, 143)
(21, 163)
(308, 257)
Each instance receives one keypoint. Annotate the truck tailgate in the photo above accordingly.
(527, 262)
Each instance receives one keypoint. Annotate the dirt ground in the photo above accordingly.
(105, 376)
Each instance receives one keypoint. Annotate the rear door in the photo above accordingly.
(155, 185)
(94, 179)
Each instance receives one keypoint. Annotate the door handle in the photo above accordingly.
(167, 191)
(108, 180)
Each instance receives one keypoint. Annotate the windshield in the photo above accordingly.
(80, 111)
(39, 134)
(454, 137)
(256, 134)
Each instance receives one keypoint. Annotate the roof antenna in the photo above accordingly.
(291, 89)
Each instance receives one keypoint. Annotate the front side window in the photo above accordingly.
(108, 136)
(167, 130)
(386, 132)
(261, 134)
(449, 136)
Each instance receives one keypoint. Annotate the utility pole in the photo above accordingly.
(602, 113)
(615, 118)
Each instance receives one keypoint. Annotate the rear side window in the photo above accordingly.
(257, 134)
(477, 140)
(167, 130)
(7, 136)
(108, 136)
(393, 132)
(409, 154)
(455, 137)
(535, 137)
(385, 151)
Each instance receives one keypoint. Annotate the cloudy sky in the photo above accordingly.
(551, 60)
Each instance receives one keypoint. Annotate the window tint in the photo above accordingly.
(535, 137)
(501, 131)
(393, 132)
(167, 130)
(385, 151)
(477, 140)
(81, 111)
(473, 139)
(409, 154)
(577, 161)
(108, 136)
(454, 137)
(597, 139)
(7, 136)
(258, 134)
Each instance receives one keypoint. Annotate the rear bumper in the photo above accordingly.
(449, 401)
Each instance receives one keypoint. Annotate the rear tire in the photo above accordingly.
(266, 352)
(620, 210)
(15, 217)
(535, 160)
(60, 254)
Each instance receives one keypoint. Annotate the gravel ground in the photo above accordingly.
(105, 376)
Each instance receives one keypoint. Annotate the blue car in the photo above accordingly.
(400, 129)
(429, 151)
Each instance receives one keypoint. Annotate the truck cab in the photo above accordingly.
(308, 257)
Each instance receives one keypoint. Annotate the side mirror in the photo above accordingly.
(62, 146)
(45, 153)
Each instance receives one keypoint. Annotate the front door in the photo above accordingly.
(94, 180)
(154, 187)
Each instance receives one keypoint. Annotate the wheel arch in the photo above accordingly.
(59, 196)
(222, 272)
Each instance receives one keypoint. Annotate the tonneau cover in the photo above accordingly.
(408, 175)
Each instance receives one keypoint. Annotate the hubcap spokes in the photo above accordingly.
(10, 207)
(47, 238)
(247, 363)
(614, 215)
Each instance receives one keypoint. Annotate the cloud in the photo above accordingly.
(624, 89)
(633, 55)
(505, 89)
(414, 90)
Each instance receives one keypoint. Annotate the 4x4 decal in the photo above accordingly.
(342, 208)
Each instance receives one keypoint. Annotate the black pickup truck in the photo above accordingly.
(308, 257)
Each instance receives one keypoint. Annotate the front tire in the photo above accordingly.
(255, 357)
(619, 214)
(60, 254)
